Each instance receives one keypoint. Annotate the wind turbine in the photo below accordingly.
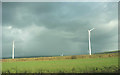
(62, 54)
(90, 40)
(13, 49)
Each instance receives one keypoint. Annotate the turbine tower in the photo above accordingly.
(13, 49)
(62, 54)
(90, 40)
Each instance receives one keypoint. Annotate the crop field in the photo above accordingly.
(63, 64)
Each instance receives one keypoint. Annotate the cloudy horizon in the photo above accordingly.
(50, 28)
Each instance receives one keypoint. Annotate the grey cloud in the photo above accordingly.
(51, 28)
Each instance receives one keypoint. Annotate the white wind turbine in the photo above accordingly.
(62, 54)
(13, 49)
(90, 40)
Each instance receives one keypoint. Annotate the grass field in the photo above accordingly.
(75, 64)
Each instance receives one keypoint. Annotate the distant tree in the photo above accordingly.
(73, 57)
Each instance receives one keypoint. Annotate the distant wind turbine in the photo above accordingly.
(62, 54)
(13, 49)
(90, 40)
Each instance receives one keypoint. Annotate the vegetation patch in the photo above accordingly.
(86, 65)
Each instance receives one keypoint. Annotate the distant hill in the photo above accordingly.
(102, 55)
(117, 51)
(59, 55)
(27, 57)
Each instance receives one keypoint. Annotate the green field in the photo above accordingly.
(76, 65)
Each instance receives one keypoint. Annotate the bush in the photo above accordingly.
(73, 57)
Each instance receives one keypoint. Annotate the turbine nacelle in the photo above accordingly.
(91, 29)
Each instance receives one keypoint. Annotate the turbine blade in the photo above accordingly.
(92, 29)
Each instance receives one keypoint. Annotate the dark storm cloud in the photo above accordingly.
(49, 28)
(31, 12)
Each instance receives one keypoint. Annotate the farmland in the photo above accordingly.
(63, 64)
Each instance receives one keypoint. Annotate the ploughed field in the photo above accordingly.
(63, 64)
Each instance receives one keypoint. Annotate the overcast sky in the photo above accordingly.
(50, 28)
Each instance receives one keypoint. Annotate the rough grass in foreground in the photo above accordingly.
(77, 64)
